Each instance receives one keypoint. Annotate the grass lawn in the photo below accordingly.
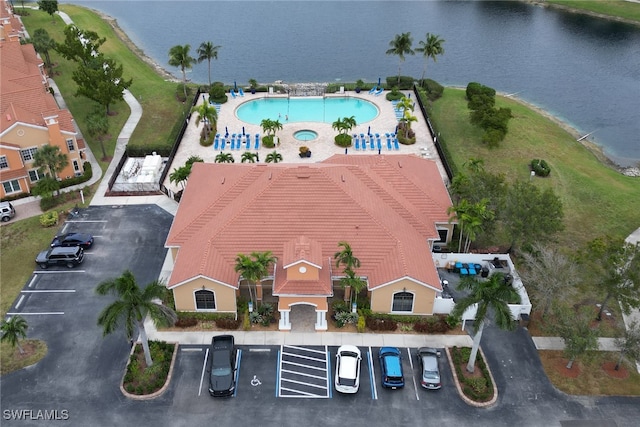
(598, 198)
(11, 359)
(615, 8)
(590, 377)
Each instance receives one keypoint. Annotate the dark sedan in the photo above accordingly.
(85, 241)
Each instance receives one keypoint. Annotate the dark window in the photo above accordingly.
(4, 164)
(205, 300)
(402, 301)
(443, 234)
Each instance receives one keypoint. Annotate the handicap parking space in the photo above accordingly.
(304, 371)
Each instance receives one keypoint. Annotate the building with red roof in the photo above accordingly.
(391, 209)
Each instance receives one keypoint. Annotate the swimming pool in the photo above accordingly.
(307, 109)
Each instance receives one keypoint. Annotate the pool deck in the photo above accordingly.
(321, 148)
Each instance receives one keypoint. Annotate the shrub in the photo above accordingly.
(431, 325)
(255, 317)
(343, 140)
(381, 324)
(246, 321)
(432, 88)
(406, 82)
(345, 317)
(540, 167)
(339, 306)
(208, 141)
(453, 321)
(474, 88)
(226, 323)
(49, 219)
(362, 324)
(186, 322)
(394, 95)
(267, 141)
(478, 389)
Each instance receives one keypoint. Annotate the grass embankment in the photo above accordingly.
(597, 200)
(625, 10)
(11, 359)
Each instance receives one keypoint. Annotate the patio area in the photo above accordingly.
(321, 147)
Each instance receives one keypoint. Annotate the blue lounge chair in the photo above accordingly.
(233, 141)
(216, 143)
(233, 94)
(396, 145)
(357, 144)
(223, 143)
(257, 146)
(372, 144)
(248, 142)
(378, 92)
(373, 89)
(379, 143)
(241, 92)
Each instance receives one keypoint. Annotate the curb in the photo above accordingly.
(462, 395)
(156, 393)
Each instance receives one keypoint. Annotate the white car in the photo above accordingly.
(348, 369)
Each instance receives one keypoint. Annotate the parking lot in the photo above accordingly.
(290, 372)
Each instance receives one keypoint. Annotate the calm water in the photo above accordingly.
(584, 70)
(291, 110)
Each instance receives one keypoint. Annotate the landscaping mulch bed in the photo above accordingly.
(141, 379)
(610, 369)
(560, 365)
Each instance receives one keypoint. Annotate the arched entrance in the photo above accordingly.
(303, 318)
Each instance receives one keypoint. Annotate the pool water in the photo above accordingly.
(307, 109)
(305, 135)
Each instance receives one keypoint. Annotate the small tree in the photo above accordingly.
(13, 330)
(350, 280)
(131, 307)
(43, 43)
(346, 257)
(207, 113)
(101, 80)
(49, 6)
(224, 158)
(629, 344)
(98, 127)
(273, 157)
(253, 268)
(574, 327)
(79, 45)
(248, 157)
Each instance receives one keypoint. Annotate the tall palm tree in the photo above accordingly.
(132, 305)
(491, 294)
(270, 126)
(248, 157)
(13, 330)
(208, 51)
(346, 257)
(207, 113)
(43, 43)
(273, 157)
(224, 158)
(179, 57)
(354, 282)
(51, 158)
(431, 47)
(401, 46)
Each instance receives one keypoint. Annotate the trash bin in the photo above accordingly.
(524, 320)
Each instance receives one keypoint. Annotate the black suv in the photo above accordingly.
(70, 257)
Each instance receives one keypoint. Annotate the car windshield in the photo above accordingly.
(220, 372)
(430, 375)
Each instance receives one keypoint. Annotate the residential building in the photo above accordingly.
(391, 209)
(29, 114)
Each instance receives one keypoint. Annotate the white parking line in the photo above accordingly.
(85, 220)
(20, 301)
(33, 280)
(59, 271)
(303, 374)
(304, 366)
(299, 356)
(413, 375)
(204, 368)
(36, 314)
(310, 350)
(372, 375)
(52, 291)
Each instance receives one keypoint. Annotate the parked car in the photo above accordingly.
(222, 380)
(391, 366)
(7, 211)
(347, 378)
(428, 358)
(85, 241)
(70, 257)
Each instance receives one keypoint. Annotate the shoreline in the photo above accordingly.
(594, 148)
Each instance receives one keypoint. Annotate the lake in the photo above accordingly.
(583, 70)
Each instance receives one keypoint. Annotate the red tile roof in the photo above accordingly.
(384, 206)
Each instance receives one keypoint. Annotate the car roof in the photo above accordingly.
(348, 367)
(68, 250)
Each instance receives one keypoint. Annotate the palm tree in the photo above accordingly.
(132, 305)
(52, 158)
(208, 114)
(354, 282)
(248, 157)
(401, 46)
(13, 330)
(180, 175)
(253, 268)
(491, 294)
(273, 157)
(346, 257)
(430, 48)
(179, 57)
(270, 126)
(208, 51)
(224, 158)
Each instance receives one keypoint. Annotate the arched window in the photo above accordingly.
(205, 300)
(402, 301)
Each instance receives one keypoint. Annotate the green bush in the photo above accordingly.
(141, 151)
(394, 95)
(180, 92)
(340, 306)
(208, 141)
(217, 93)
(433, 325)
(343, 140)
(49, 219)
(432, 88)
(150, 379)
(246, 321)
(267, 141)
(345, 317)
(478, 389)
(474, 88)
(362, 324)
(406, 82)
(540, 167)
